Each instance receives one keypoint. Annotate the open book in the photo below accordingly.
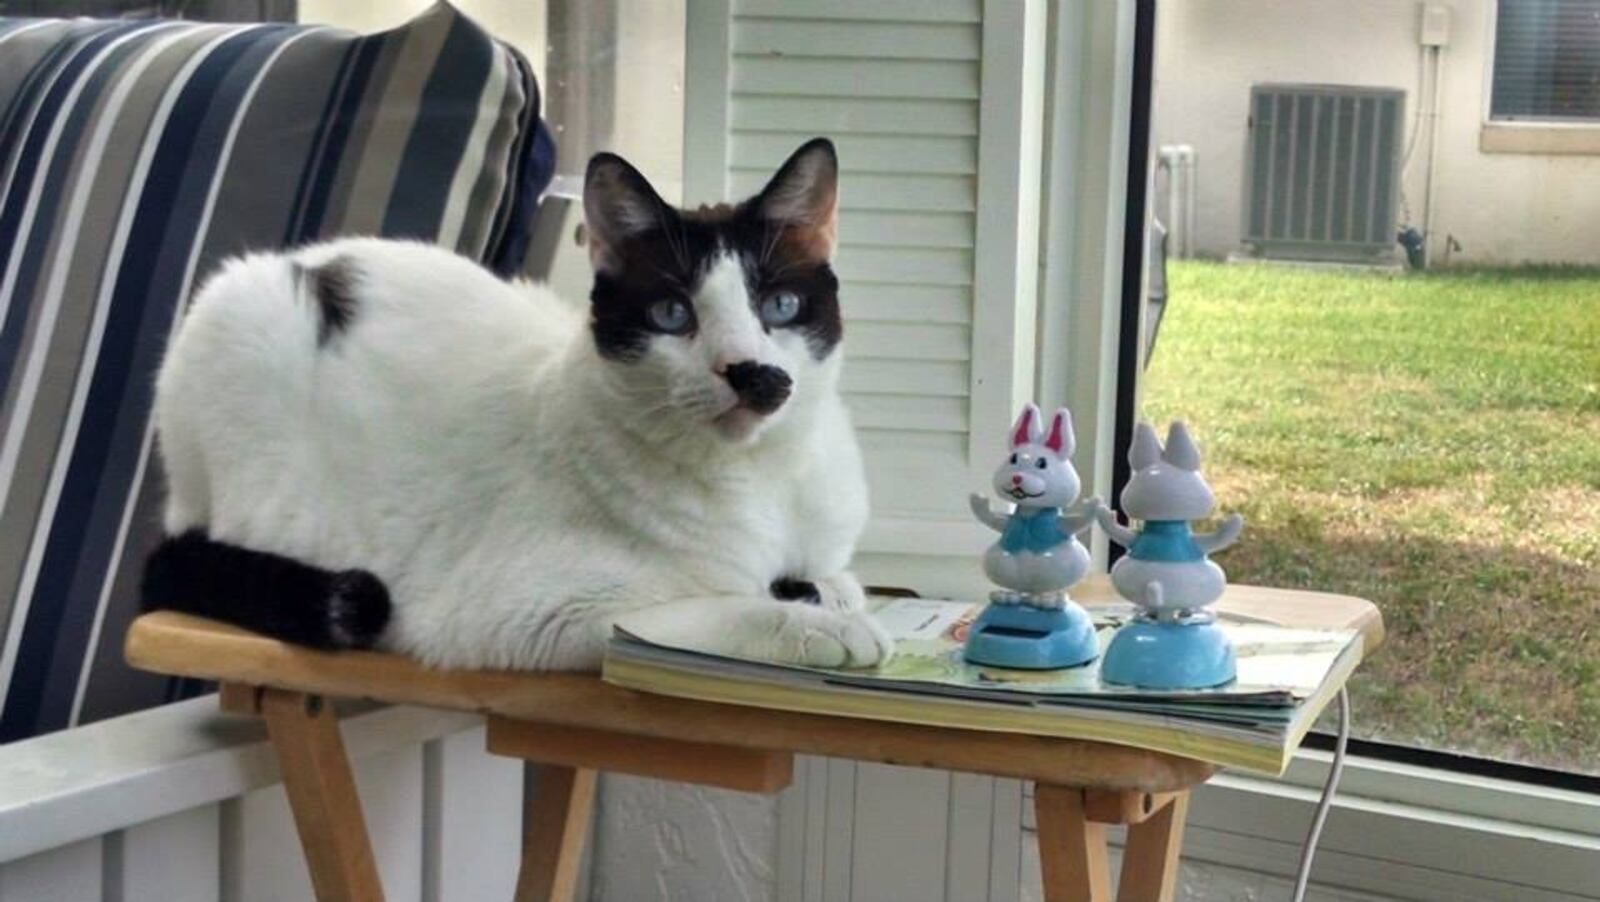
(1285, 678)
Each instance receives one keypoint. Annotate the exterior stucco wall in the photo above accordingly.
(1500, 207)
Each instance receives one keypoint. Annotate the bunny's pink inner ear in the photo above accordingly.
(1061, 440)
(1027, 428)
(1053, 442)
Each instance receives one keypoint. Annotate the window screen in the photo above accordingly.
(1547, 60)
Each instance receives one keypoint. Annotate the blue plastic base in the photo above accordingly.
(1024, 637)
(1161, 655)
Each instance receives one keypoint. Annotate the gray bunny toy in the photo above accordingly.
(1030, 622)
(1038, 555)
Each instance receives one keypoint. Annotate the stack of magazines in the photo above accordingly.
(1286, 677)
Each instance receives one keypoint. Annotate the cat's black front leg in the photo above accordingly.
(786, 588)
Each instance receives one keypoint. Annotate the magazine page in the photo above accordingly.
(1276, 665)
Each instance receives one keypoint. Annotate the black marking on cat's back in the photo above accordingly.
(332, 286)
(785, 588)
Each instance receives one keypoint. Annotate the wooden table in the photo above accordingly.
(575, 726)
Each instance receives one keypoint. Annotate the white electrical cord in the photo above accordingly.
(1310, 849)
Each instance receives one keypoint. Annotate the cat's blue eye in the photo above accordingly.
(671, 315)
(1013, 460)
(1043, 463)
(780, 308)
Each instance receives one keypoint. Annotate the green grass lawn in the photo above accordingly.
(1430, 442)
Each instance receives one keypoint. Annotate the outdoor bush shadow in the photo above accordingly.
(1489, 649)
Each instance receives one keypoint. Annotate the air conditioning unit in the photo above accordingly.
(1323, 172)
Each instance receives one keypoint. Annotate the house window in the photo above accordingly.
(1547, 61)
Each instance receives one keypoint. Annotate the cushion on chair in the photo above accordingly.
(134, 155)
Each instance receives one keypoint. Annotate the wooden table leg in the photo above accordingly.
(322, 794)
(555, 820)
(1150, 859)
(1072, 848)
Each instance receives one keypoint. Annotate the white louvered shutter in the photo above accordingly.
(935, 107)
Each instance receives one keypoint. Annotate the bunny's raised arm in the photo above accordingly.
(985, 514)
(1226, 535)
(1107, 519)
(1082, 517)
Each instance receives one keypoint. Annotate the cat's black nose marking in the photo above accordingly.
(761, 387)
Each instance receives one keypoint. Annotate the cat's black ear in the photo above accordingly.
(805, 194)
(618, 203)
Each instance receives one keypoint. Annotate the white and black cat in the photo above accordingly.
(364, 422)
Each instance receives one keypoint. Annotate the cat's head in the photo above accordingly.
(723, 319)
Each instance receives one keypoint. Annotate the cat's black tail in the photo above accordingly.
(267, 593)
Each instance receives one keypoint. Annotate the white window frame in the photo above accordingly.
(1524, 136)
(1406, 831)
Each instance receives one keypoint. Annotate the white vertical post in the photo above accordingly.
(68, 872)
(901, 833)
(1090, 96)
(706, 88)
(173, 858)
(472, 820)
(1005, 284)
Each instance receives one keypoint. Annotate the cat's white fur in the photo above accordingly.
(465, 441)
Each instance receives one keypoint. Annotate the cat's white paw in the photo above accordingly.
(841, 592)
(840, 639)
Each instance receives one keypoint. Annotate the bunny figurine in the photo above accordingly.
(1030, 622)
(1173, 643)
(1038, 555)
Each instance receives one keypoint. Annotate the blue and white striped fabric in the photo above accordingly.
(134, 155)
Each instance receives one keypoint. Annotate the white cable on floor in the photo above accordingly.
(1328, 789)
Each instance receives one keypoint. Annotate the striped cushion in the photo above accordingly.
(133, 156)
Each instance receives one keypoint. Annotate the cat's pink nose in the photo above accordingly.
(1016, 479)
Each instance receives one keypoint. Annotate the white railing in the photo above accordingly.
(183, 803)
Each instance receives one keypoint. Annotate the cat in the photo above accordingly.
(371, 443)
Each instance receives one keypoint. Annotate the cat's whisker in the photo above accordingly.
(671, 278)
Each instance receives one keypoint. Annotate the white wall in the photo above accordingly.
(649, 111)
(520, 23)
(1500, 207)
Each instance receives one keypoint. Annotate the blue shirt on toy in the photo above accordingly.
(1037, 530)
(1166, 540)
